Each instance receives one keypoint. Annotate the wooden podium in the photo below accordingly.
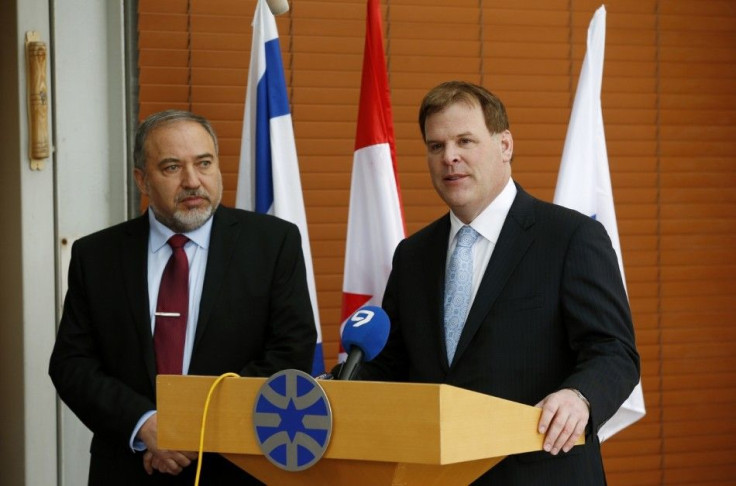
(383, 433)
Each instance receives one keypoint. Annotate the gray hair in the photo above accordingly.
(161, 118)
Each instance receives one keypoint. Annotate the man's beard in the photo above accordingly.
(185, 220)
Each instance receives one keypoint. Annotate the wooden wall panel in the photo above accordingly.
(669, 108)
(697, 245)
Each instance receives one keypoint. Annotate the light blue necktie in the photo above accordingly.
(458, 288)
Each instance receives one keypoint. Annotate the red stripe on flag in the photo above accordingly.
(375, 122)
(351, 303)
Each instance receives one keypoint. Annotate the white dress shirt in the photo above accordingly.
(488, 224)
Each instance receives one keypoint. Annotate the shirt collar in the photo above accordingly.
(159, 234)
(490, 221)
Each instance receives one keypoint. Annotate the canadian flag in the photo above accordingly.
(375, 218)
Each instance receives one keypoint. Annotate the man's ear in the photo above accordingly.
(507, 145)
(140, 180)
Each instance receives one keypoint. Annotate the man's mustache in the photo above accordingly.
(193, 193)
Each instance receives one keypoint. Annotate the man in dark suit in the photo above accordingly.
(248, 308)
(544, 318)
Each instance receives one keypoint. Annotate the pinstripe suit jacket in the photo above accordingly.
(551, 312)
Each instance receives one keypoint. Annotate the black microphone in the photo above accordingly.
(364, 336)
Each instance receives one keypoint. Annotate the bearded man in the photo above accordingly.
(190, 287)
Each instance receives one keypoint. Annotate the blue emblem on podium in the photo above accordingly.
(292, 420)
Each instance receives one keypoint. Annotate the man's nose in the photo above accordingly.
(190, 177)
(450, 154)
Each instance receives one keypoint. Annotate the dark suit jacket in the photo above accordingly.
(551, 313)
(255, 318)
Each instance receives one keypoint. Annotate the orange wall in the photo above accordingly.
(669, 110)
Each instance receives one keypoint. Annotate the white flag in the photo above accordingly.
(584, 181)
(375, 219)
(268, 177)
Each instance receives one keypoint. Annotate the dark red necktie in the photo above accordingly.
(172, 309)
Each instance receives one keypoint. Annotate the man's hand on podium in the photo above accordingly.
(564, 418)
(165, 461)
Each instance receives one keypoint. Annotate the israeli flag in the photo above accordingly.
(268, 177)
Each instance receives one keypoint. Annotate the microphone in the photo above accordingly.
(364, 336)
(277, 7)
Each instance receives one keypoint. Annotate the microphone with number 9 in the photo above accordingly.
(364, 336)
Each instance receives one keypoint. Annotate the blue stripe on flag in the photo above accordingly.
(264, 174)
(271, 103)
(318, 363)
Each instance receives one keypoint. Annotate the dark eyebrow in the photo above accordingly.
(167, 160)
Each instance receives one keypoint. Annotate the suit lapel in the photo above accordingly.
(134, 255)
(436, 260)
(512, 244)
(222, 244)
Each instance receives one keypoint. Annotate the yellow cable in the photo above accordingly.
(204, 419)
